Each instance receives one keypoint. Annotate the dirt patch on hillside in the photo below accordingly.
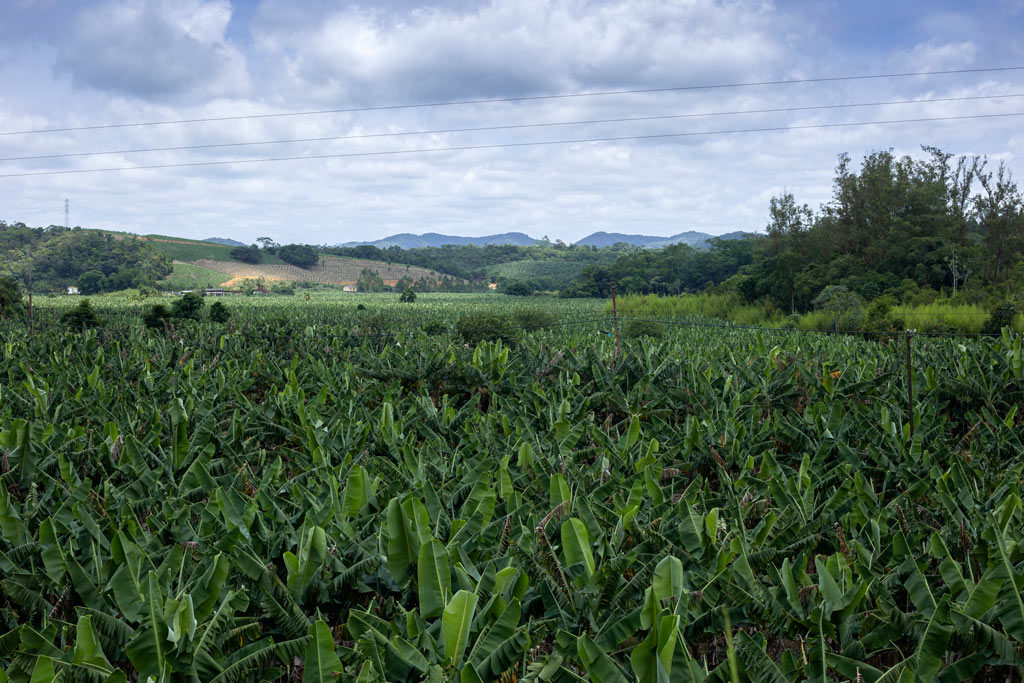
(330, 270)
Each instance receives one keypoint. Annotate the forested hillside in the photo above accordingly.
(479, 264)
(51, 259)
(910, 228)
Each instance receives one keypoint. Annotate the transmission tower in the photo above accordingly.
(67, 214)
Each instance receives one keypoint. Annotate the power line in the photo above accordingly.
(510, 144)
(517, 126)
(525, 98)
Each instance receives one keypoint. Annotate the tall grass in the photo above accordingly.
(940, 316)
(969, 318)
(729, 307)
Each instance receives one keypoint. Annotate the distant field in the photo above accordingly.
(560, 273)
(199, 263)
(330, 270)
(188, 276)
(181, 249)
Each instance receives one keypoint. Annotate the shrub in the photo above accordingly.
(156, 316)
(81, 316)
(634, 329)
(360, 307)
(531, 319)
(476, 327)
(851, 320)
(1001, 317)
(408, 296)
(219, 313)
(842, 306)
(188, 307)
(518, 288)
(250, 254)
(10, 297)
(435, 328)
(283, 288)
(300, 255)
(92, 282)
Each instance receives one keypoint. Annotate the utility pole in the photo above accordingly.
(615, 314)
(30, 280)
(67, 214)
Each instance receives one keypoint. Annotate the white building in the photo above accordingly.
(72, 289)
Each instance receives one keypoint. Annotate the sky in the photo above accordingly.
(87, 63)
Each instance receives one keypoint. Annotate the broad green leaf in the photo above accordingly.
(668, 578)
(455, 625)
(321, 662)
(403, 542)
(434, 579)
(302, 568)
(87, 647)
(576, 546)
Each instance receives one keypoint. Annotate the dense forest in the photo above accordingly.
(912, 229)
(54, 258)
(480, 264)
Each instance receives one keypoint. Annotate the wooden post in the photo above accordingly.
(615, 315)
(910, 383)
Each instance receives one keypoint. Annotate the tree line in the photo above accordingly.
(54, 258)
(909, 229)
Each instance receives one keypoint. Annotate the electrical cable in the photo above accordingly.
(506, 145)
(548, 124)
(525, 98)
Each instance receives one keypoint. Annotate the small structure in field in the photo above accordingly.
(72, 289)
(349, 288)
(214, 292)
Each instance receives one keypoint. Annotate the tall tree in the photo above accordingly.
(999, 212)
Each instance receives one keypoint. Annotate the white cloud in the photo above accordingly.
(520, 46)
(154, 50)
(936, 56)
(137, 60)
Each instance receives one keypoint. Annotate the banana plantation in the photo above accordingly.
(286, 497)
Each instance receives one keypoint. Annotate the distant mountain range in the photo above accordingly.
(407, 240)
(226, 241)
(697, 240)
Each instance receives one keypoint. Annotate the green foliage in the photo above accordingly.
(50, 259)
(81, 316)
(178, 249)
(301, 255)
(219, 313)
(671, 270)
(188, 307)
(1002, 316)
(435, 327)
(369, 281)
(883, 316)
(408, 296)
(636, 328)
(250, 254)
(544, 266)
(913, 228)
(286, 289)
(291, 500)
(517, 288)
(156, 317)
(10, 297)
(186, 276)
(92, 282)
(477, 327)
(532, 319)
